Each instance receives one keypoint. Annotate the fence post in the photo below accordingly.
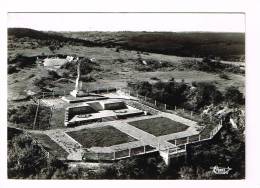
(155, 102)
(129, 154)
(175, 108)
(191, 113)
(165, 106)
(144, 149)
(183, 109)
(35, 118)
(175, 142)
(199, 137)
(114, 155)
(145, 98)
(43, 95)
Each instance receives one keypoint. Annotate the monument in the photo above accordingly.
(78, 91)
(79, 95)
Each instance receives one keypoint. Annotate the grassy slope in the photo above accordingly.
(197, 44)
(115, 73)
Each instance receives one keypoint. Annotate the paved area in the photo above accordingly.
(144, 138)
(67, 143)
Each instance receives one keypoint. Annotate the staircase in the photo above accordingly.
(67, 143)
(110, 118)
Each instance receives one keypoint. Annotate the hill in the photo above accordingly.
(227, 46)
(51, 37)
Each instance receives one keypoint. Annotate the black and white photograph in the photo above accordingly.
(136, 96)
(129, 94)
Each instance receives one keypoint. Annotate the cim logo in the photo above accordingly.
(220, 170)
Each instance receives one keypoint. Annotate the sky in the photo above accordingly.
(175, 22)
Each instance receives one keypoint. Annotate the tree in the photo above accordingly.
(52, 48)
(24, 158)
(206, 94)
(186, 173)
(25, 114)
(233, 96)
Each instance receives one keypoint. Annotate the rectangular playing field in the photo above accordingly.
(100, 137)
(159, 126)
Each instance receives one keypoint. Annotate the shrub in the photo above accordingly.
(53, 74)
(25, 115)
(154, 78)
(86, 67)
(87, 78)
(11, 69)
(233, 96)
(224, 76)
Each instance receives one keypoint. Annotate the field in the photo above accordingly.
(100, 137)
(113, 72)
(159, 126)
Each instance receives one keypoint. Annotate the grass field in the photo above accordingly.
(113, 72)
(100, 137)
(159, 126)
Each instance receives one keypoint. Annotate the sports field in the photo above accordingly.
(100, 137)
(159, 126)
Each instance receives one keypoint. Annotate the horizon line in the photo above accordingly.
(154, 31)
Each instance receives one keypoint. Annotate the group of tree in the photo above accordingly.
(86, 67)
(24, 115)
(208, 64)
(181, 94)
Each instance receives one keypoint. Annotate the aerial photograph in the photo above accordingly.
(126, 96)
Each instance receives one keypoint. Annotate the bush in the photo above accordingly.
(87, 66)
(25, 115)
(53, 74)
(154, 78)
(233, 96)
(206, 94)
(224, 76)
(87, 78)
(42, 82)
(12, 69)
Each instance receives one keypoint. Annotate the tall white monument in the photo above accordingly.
(78, 91)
